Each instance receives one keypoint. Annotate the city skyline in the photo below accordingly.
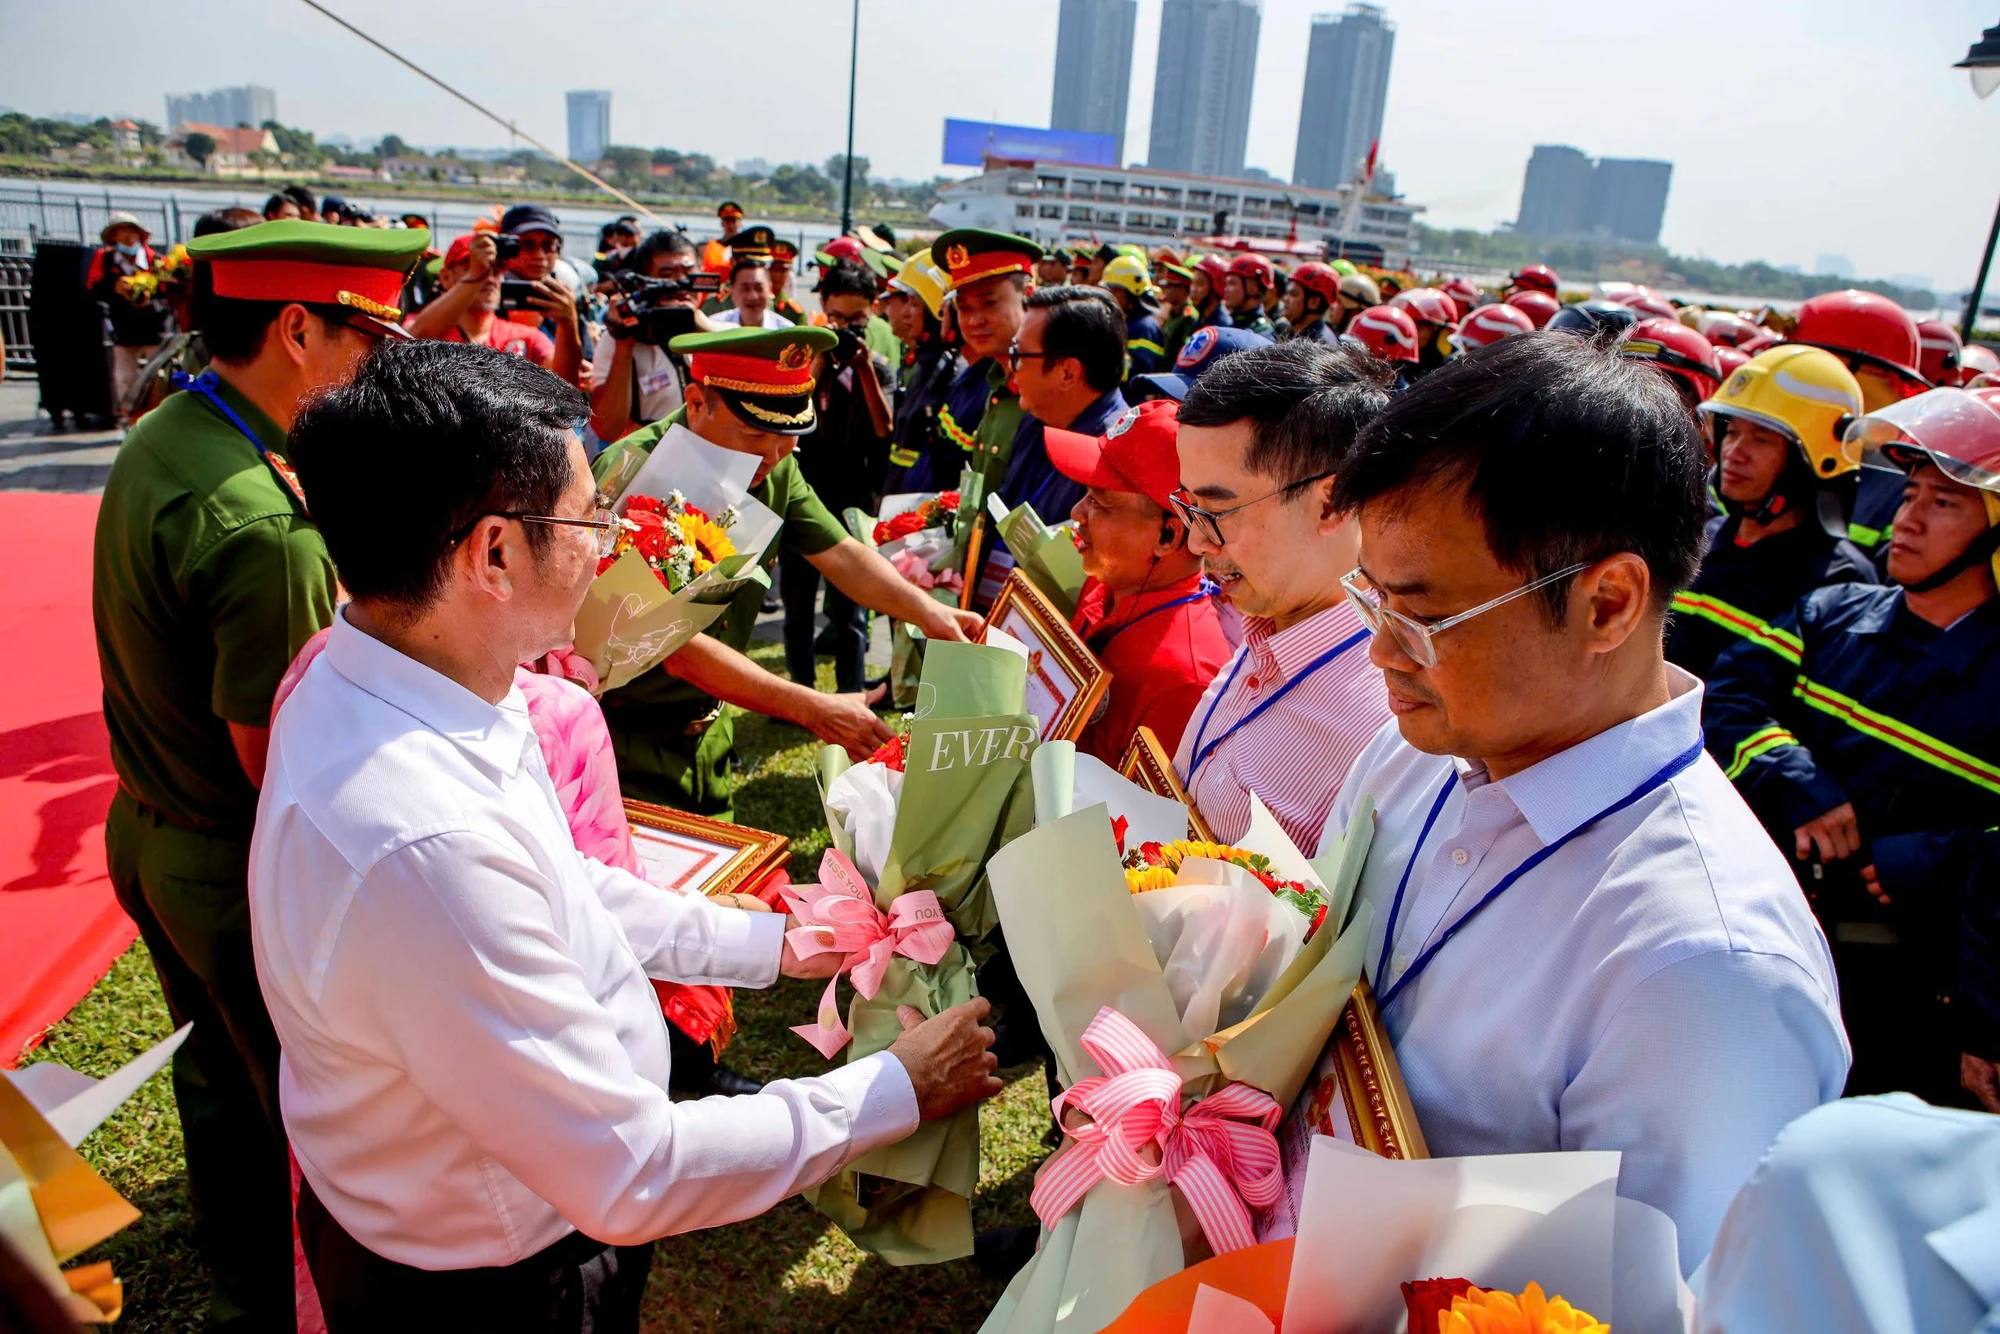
(1093, 79)
(587, 115)
(1496, 80)
(1347, 88)
(1567, 193)
(246, 104)
(1203, 86)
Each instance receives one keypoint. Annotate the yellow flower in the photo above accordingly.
(1149, 877)
(711, 544)
(1483, 1312)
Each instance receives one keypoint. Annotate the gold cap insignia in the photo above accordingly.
(957, 257)
(794, 357)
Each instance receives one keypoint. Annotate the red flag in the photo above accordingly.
(1368, 171)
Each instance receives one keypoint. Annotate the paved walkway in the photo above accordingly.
(34, 456)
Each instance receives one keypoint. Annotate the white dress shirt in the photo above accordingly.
(474, 1061)
(1657, 986)
(772, 319)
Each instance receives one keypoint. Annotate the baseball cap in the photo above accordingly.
(1136, 452)
(1204, 347)
(528, 218)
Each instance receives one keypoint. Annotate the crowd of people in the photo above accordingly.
(1659, 641)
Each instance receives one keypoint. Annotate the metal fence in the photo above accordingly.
(16, 269)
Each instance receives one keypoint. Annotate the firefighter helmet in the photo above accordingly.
(1463, 294)
(1490, 324)
(1320, 280)
(1253, 267)
(1386, 331)
(1539, 305)
(1866, 326)
(1959, 431)
(1427, 305)
(1803, 393)
(1677, 350)
(1939, 350)
(1535, 278)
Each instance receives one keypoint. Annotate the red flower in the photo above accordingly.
(1151, 853)
(1119, 828)
(606, 562)
(890, 755)
(1428, 1298)
(637, 505)
(948, 500)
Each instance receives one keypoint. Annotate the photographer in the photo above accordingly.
(477, 289)
(634, 379)
(843, 459)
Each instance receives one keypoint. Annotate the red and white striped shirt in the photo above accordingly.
(1296, 753)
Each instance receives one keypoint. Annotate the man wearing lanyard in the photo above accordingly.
(1145, 610)
(1261, 435)
(207, 577)
(1566, 889)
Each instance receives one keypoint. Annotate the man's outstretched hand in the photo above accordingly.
(949, 1059)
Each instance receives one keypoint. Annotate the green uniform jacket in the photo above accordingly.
(671, 739)
(208, 578)
(993, 438)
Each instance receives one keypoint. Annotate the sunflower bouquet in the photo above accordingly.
(1157, 866)
(677, 539)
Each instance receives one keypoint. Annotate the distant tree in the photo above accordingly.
(149, 135)
(626, 160)
(838, 161)
(200, 147)
(296, 144)
(803, 185)
(392, 145)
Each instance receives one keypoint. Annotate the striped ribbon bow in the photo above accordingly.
(1219, 1151)
(839, 915)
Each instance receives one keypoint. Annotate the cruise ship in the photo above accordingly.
(1064, 203)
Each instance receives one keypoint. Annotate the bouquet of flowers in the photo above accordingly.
(924, 536)
(902, 892)
(1186, 996)
(679, 561)
(1047, 556)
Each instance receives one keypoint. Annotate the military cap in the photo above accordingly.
(971, 253)
(729, 208)
(1180, 271)
(784, 251)
(764, 375)
(752, 243)
(361, 268)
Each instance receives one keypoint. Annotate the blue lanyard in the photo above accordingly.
(1202, 752)
(203, 387)
(1388, 997)
(1206, 590)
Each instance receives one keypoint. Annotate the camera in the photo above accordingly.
(847, 346)
(506, 249)
(653, 305)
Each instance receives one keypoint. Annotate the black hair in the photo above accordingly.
(741, 263)
(278, 200)
(659, 244)
(1086, 324)
(232, 329)
(1305, 401)
(463, 431)
(226, 220)
(846, 278)
(1569, 452)
(303, 197)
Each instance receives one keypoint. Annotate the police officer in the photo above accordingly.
(1176, 286)
(989, 277)
(1312, 293)
(1786, 478)
(784, 259)
(1132, 288)
(1863, 733)
(208, 575)
(752, 391)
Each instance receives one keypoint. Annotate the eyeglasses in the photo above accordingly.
(1414, 637)
(1015, 355)
(606, 523)
(1210, 521)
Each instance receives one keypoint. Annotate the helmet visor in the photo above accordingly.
(1952, 428)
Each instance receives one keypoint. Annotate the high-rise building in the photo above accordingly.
(1566, 194)
(1201, 87)
(589, 124)
(1094, 67)
(227, 107)
(1627, 199)
(1347, 85)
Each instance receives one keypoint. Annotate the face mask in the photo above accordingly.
(129, 249)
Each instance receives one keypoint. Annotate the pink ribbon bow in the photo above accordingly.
(839, 915)
(1219, 1151)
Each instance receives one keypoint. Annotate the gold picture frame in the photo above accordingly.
(1147, 764)
(968, 592)
(1379, 1110)
(692, 854)
(1062, 671)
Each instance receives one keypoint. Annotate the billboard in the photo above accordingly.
(968, 143)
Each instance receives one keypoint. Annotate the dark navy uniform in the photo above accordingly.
(958, 418)
(1875, 506)
(1741, 588)
(1145, 344)
(1317, 331)
(1851, 698)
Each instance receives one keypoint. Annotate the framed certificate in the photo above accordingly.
(690, 854)
(974, 546)
(1065, 679)
(1147, 763)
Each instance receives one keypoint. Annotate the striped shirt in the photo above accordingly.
(1296, 753)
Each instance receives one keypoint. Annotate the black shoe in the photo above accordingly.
(733, 1083)
(1002, 1252)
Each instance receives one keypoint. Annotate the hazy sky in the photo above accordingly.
(1796, 129)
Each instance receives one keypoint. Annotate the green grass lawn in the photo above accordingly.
(788, 1270)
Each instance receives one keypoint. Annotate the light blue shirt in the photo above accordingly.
(1658, 986)
(1873, 1214)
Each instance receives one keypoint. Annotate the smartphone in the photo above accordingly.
(516, 294)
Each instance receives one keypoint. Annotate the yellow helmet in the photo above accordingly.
(1801, 392)
(1130, 273)
(921, 277)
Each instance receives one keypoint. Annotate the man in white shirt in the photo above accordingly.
(1262, 435)
(1582, 937)
(475, 1070)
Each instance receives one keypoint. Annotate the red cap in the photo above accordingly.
(1136, 452)
(458, 252)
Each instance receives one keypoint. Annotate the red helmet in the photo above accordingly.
(1939, 350)
(1864, 325)
(1490, 324)
(1427, 305)
(1727, 359)
(1386, 331)
(1727, 329)
(1463, 294)
(1540, 306)
(1248, 267)
(1215, 266)
(1535, 278)
(1677, 350)
(843, 247)
(1978, 359)
(1319, 279)
(1762, 340)
(1649, 305)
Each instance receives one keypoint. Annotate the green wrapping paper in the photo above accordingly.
(966, 793)
(1046, 556)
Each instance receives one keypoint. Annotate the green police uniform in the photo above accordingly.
(971, 255)
(208, 576)
(673, 741)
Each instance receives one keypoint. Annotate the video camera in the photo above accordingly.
(653, 304)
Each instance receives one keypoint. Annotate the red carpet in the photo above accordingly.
(60, 927)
